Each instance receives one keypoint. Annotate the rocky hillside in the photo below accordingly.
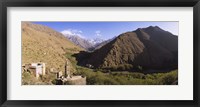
(87, 44)
(40, 43)
(80, 41)
(150, 48)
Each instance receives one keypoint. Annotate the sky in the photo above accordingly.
(106, 30)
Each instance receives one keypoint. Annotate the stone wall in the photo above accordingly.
(78, 81)
(74, 80)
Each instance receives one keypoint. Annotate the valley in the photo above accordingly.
(145, 56)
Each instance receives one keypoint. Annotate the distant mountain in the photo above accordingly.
(96, 41)
(147, 48)
(84, 43)
(41, 43)
(99, 45)
(87, 44)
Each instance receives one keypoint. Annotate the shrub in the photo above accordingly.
(140, 68)
(121, 68)
(169, 78)
(126, 78)
(114, 68)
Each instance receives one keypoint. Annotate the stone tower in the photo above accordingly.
(67, 69)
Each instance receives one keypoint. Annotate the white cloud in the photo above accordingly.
(72, 32)
(98, 33)
(67, 32)
(80, 31)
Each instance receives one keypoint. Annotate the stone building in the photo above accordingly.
(36, 68)
(68, 78)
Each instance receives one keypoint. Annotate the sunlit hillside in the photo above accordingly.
(40, 43)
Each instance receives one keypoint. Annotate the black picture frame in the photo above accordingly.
(99, 3)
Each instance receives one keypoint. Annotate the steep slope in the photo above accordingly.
(40, 43)
(151, 48)
(87, 44)
(101, 44)
(80, 41)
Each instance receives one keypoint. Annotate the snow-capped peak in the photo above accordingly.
(95, 41)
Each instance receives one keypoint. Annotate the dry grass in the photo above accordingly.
(28, 78)
(40, 43)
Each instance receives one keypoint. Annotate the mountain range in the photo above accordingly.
(87, 44)
(81, 42)
(147, 48)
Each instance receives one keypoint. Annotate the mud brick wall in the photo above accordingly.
(81, 81)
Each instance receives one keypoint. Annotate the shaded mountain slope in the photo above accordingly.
(151, 48)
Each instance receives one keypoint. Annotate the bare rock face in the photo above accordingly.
(151, 48)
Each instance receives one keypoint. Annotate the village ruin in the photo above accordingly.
(36, 68)
(39, 69)
(68, 78)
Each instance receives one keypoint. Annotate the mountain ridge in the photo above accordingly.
(150, 47)
(87, 44)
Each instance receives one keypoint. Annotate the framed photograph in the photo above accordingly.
(99, 53)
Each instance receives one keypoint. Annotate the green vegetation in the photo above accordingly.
(124, 67)
(106, 76)
(127, 78)
(119, 75)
